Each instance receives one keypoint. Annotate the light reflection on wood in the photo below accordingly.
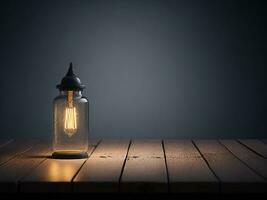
(61, 170)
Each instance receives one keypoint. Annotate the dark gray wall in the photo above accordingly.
(155, 69)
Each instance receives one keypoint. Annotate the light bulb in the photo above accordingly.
(70, 121)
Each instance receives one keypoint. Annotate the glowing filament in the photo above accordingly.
(70, 126)
(70, 122)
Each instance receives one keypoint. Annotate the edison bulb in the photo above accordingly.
(70, 119)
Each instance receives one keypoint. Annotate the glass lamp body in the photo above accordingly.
(70, 143)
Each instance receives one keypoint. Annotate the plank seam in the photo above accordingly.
(94, 148)
(242, 161)
(123, 165)
(251, 149)
(27, 173)
(207, 163)
(19, 153)
(6, 143)
(166, 165)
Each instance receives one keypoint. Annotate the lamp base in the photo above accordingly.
(69, 155)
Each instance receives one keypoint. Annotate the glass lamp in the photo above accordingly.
(70, 119)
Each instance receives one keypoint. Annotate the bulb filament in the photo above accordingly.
(70, 121)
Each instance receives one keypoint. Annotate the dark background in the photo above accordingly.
(153, 69)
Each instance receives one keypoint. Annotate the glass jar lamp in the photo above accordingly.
(70, 119)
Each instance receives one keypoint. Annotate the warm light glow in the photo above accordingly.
(70, 124)
(61, 170)
(70, 120)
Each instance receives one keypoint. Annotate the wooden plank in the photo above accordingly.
(53, 175)
(145, 170)
(253, 160)
(93, 142)
(256, 145)
(188, 172)
(235, 176)
(15, 148)
(18, 167)
(4, 142)
(102, 170)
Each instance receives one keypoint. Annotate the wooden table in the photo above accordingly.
(137, 166)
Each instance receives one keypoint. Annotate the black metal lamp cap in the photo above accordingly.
(70, 82)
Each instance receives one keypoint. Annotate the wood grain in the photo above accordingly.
(140, 166)
(14, 148)
(102, 170)
(24, 163)
(145, 170)
(93, 142)
(234, 175)
(53, 175)
(256, 145)
(188, 172)
(4, 142)
(253, 160)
